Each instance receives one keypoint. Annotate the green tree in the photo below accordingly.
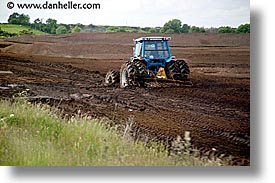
(196, 29)
(37, 24)
(121, 29)
(169, 31)
(158, 29)
(226, 29)
(243, 28)
(76, 29)
(152, 30)
(174, 25)
(19, 19)
(61, 30)
(24, 19)
(81, 26)
(51, 25)
(146, 29)
(185, 28)
(202, 29)
(14, 18)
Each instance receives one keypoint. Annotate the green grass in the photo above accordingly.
(34, 135)
(16, 29)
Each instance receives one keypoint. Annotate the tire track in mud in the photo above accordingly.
(189, 120)
(196, 126)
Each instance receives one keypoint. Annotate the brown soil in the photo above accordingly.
(68, 72)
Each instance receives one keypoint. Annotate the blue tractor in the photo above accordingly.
(151, 61)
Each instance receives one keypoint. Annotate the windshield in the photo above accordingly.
(156, 49)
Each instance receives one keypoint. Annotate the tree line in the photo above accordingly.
(176, 26)
(173, 26)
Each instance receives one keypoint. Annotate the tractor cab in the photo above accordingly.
(155, 51)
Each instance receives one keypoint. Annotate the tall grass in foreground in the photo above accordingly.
(32, 135)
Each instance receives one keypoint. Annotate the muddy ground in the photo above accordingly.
(68, 72)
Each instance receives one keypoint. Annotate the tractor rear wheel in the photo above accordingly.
(178, 70)
(141, 69)
(112, 77)
(128, 75)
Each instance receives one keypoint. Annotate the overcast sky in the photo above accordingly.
(143, 13)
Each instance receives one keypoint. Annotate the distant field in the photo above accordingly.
(17, 28)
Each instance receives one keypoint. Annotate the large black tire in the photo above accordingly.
(178, 70)
(112, 77)
(128, 75)
(142, 71)
(183, 67)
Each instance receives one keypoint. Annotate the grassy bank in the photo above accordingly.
(33, 135)
(16, 30)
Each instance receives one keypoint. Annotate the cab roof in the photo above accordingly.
(152, 38)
